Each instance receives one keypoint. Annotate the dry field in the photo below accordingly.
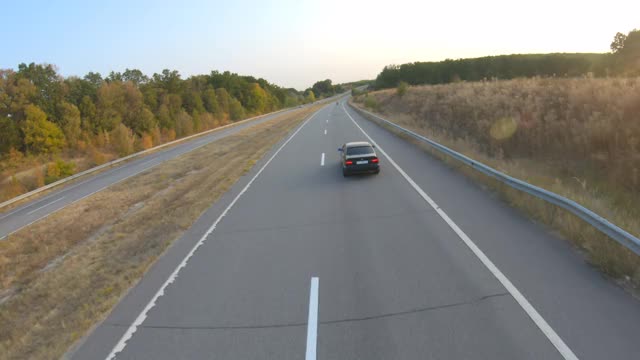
(63, 274)
(577, 137)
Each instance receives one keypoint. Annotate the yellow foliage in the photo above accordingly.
(147, 142)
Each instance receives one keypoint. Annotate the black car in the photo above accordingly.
(359, 157)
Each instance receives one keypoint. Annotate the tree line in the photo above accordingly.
(42, 112)
(623, 60)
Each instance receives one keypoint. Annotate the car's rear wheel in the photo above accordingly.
(377, 172)
(344, 173)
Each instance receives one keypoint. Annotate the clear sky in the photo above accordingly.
(295, 43)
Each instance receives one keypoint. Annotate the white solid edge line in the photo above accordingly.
(143, 315)
(312, 323)
(542, 324)
(322, 160)
(45, 205)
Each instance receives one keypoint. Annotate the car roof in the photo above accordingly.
(357, 144)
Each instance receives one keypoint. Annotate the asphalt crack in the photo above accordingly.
(326, 322)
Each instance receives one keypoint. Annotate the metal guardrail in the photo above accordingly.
(117, 161)
(605, 226)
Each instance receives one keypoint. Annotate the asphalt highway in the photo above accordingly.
(418, 262)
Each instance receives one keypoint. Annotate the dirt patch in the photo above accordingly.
(66, 272)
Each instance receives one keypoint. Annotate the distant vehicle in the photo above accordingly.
(359, 157)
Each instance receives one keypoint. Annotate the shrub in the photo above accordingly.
(97, 157)
(156, 135)
(39, 177)
(122, 139)
(184, 124)
(370, 102)
(15, 188)
(14, 159)
(402, 88)
(59, 170)
(147, 142)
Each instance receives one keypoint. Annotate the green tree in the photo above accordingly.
(626, 52)
(88, 114)
(71, 122)
(257, 99)
(40, 135)
(236, 111)
(211, 102)
(223, 99)
(618, 42)
(49, 84)
(169, 81)
(95, 79)
(9, 135)
(323, 88)
(18, 93)
(135, 76)
(193, 102)
(110, 106)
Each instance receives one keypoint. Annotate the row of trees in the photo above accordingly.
(43, 113)
(325, 88)
(624, 60)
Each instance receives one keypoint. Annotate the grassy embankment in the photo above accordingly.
(579, 138)
(63, 274)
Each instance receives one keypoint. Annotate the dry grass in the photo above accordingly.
(573, 137)
(63, 274)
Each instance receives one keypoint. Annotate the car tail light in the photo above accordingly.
(374, 160)
(348, 162)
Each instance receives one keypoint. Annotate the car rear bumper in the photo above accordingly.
(360, 169)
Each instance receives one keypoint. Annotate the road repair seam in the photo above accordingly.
(122, 343)
(542, 324)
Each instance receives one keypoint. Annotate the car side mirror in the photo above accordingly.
(340, 149)
(373, 146)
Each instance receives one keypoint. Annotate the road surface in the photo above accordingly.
(297, 262)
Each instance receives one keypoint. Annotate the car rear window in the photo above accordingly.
(360, 150)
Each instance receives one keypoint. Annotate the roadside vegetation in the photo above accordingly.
(579, 138)
(53, 289)
(569, 123)
(52, 127)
